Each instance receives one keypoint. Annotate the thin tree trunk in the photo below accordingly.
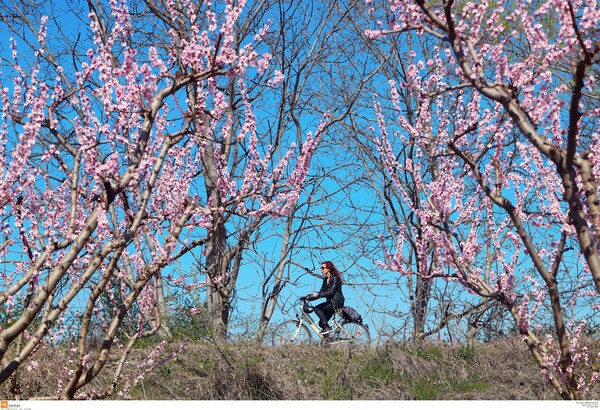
(217, 295)
(269, 305)
(419, 307)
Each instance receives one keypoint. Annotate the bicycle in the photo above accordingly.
(298, 331)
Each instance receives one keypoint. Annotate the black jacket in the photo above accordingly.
(332, 291)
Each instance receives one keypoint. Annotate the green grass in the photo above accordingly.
(427, 352)
(435, 387)
(467, 353)
(377, 369)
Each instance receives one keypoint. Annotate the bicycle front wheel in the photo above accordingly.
(353, 333)
(291, 332)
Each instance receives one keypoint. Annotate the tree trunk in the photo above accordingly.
(164, 330)
(217, 294)
(269, 304)
(419, 308)
(475, 321)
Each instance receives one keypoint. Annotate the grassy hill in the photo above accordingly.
(393, 372)
(501, 370)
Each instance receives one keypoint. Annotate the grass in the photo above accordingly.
(501, 370)
(434, 387)
(428, 352)
(378, 368)
(467, 353)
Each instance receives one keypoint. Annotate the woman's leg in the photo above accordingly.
(324, 311)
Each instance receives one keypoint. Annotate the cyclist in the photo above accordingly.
(332, 292)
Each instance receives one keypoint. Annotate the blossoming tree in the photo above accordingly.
(508, 112)
(112, 176)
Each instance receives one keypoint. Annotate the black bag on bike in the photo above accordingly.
(351, 315)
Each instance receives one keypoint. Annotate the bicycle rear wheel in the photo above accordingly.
(291, 332)
(353, 333)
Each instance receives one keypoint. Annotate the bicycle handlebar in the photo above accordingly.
(305, 301)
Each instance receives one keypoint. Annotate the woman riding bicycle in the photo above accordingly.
(332, 292)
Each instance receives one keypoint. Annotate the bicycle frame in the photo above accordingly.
(305, 317)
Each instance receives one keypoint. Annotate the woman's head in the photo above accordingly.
(329, 267)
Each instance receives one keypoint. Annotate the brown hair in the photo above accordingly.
(333, 270)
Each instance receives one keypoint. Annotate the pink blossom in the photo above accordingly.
(373, 34)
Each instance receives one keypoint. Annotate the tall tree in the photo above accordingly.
(514, 213)
(132, 144)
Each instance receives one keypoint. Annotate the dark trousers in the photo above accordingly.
(324, 311)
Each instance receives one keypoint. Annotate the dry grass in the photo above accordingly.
(502, 370)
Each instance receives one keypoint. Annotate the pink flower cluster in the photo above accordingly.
(491, 204)
(103, 178)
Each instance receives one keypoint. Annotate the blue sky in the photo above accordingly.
(249, 288)
(379, 295)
